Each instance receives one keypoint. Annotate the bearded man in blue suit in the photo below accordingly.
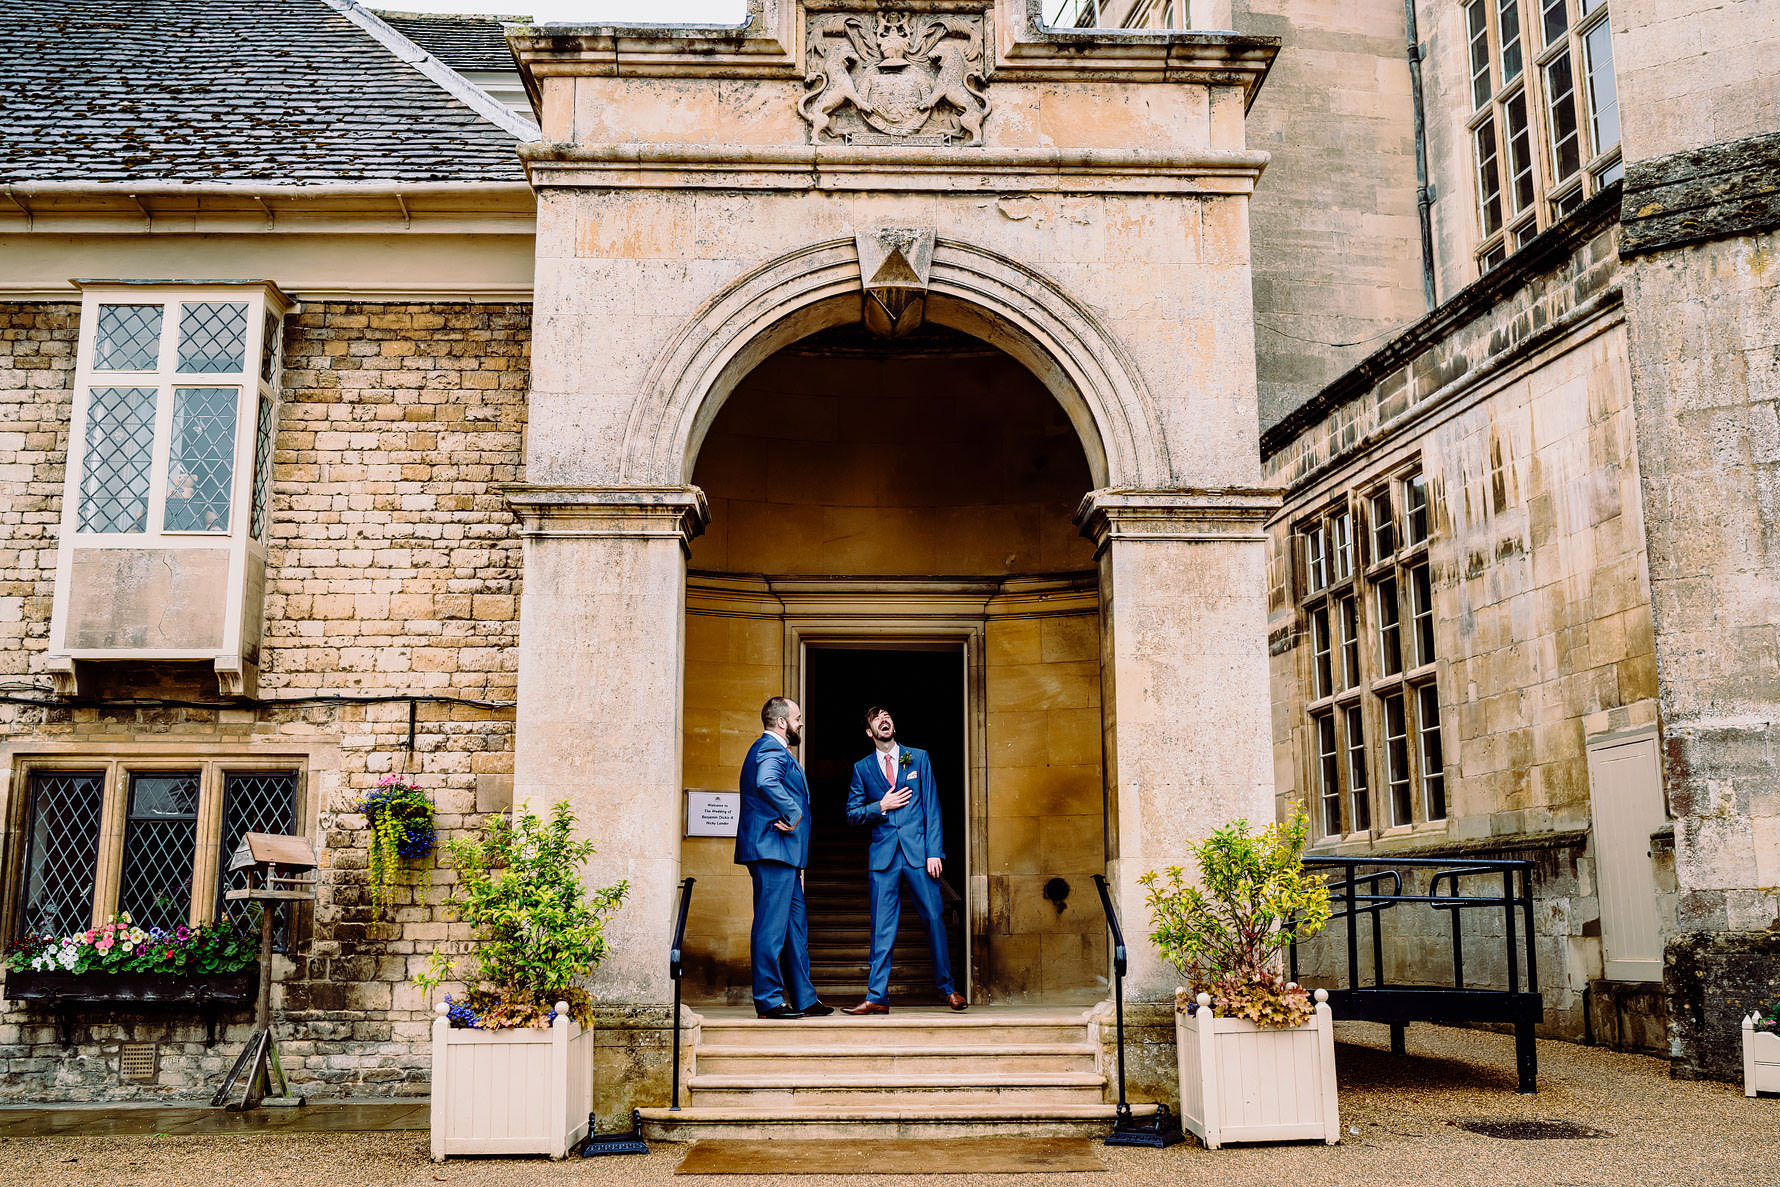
(893, 792)
(773, 840)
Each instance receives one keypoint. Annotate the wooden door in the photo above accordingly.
(1626, 791)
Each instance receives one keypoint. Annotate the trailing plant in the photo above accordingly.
(540, 930)
(119, 946)
(401, 819)
(1226, 932)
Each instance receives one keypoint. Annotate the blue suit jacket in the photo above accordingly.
(773, 788)
(913, 828)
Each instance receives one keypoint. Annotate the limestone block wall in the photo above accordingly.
(1519, 413)
(1337, 241)
(394, 568)
(1046, 814)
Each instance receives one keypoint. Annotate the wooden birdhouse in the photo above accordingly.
(278, 868)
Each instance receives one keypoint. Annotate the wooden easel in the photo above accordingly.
(274, 864)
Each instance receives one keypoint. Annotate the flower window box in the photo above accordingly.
(65, 993)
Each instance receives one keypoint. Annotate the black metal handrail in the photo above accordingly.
(677, 966)
(1164, 1130)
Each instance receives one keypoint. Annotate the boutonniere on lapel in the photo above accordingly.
(908, 764)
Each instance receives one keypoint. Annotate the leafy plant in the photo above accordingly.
(118, 946)
(1226, 932)
(401, 818)
(1769, 1019)
(540, 930)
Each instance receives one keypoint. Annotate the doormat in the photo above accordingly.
(885, 1156)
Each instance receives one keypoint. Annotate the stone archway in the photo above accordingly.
(972, 289)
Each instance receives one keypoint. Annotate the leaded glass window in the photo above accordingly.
(1603, 91)
(160, 846)
(265, 438)
(212, 337)
(269, 340)
(1357, 784)
(1520, 154)
(201, 462)
(1396, 760)
(61, 851)
(1560, 97)
(254, 802)
(1489, 179)
(127, 338)
(119, 453)
(1433, 762)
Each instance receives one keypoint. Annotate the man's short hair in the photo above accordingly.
(775, 708)
(871, 714)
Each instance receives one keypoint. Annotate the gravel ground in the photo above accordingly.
(1399, 1115)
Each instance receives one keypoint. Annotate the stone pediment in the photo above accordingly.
(896, 76)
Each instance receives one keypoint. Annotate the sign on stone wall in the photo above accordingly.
(712, 813)
(896, 77)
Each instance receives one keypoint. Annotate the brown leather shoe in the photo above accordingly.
(867, 1007)
(957, 1001)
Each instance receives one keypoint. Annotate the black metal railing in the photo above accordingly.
(1164, 1128)
(676, 967)
(1370, 886)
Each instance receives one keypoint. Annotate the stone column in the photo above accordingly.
(1183, 684)
(601, 633)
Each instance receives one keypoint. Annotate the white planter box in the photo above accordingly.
(1761, 1059)
(511, 1091)
(1245, 1083)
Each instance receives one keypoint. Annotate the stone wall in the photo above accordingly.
(1515, 399)
(1337, 241)
(393, 571)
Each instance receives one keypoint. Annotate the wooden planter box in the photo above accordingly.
(1761, 1059)
(511, 1091)
(66, 992)
(1244, 1083)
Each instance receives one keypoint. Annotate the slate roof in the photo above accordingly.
(461, 42)
(274, 91)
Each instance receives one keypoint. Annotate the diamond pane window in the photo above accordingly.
(255, 802)
(212, 337)
(119, 452)
(127, 338)
(201, 463)
(269, 338)
(160, 844)
(62, 851)
(265, 436)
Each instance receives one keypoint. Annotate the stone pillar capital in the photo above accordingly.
(1229, 513)
(631, 512)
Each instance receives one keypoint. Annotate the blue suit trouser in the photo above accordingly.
(779, 943)
(886, 917)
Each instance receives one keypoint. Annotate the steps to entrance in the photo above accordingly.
(913, 1073)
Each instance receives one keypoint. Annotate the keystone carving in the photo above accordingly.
(895, 77)
(895, 266)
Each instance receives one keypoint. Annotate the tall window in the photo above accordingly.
(1373, 705)
(167, 863)
(1545, 115)
(176, 415)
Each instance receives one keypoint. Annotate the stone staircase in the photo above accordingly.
(915, 1073)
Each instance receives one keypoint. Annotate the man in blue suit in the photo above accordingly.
(893, 792)
(772, 839)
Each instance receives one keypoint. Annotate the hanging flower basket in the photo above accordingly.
(401, 819)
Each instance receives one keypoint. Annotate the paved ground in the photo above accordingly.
(1400, 1115)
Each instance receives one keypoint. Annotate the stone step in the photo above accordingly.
(958, 1062)
(924, 1027)
(864, 1090)
(917, 1119)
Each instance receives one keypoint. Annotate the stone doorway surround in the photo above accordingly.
(693, 219)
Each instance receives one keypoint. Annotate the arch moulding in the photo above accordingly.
(971, 289)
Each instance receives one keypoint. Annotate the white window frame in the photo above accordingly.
(252, 384)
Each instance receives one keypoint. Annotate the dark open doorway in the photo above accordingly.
(923, 687)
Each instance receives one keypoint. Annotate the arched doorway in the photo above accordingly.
(893, 522)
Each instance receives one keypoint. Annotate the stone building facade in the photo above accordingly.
(557, 487)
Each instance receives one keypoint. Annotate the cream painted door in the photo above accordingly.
(1626, 790)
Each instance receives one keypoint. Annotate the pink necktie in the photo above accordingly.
(889, 771)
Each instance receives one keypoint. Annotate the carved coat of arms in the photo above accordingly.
(895, 77)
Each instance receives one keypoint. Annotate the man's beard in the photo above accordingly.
(793, 737)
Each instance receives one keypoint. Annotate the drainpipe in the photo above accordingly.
(1424, 193)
